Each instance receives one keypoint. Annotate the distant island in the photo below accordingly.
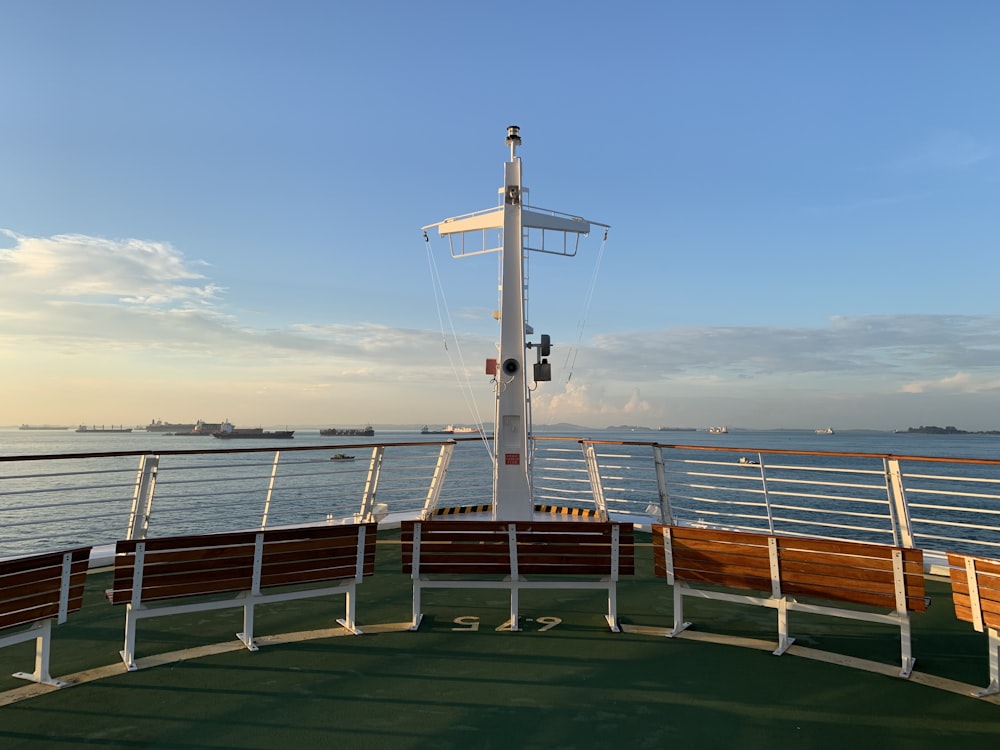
(949, 430)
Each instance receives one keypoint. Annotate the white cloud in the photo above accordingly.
(99, 318)
(878, 346)
(959, 383)
(80, 267)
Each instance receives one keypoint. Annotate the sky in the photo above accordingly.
(213, 210)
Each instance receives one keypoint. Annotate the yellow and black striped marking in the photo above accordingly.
(558, 510)
(463, 509)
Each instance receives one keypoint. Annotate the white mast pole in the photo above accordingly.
(512, 499)
(511, 477)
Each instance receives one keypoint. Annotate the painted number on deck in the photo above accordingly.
(470, 623)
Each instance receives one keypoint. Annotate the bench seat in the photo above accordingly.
(517, 555)
(975, 592)
(773, 571)
(36, 591)
(257, 566)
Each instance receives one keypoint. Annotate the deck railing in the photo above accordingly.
(938, 504)
(934, 503)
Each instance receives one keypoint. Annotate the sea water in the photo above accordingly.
(310, 488)
(36, 442)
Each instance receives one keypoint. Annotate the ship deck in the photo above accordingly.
(446, 686)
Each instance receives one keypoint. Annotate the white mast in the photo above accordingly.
(512, 491)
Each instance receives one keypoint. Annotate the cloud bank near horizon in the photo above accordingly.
(139, 307)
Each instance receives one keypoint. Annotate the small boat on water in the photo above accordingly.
(341, 457)
(228, 431)
(744, 461)
(718, 430)
(825, 431)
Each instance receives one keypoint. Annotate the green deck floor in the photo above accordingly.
(576, 685)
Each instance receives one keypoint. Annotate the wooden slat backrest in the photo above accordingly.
(856, 572)
(200, 564)
(543, 547)
(573, 548)
(714, 557)
(31, 587)
(827, 569)
(987, 573)
(185, 566)
(458, 547)
(324, 553)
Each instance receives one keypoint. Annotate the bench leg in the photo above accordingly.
(784, 642)
(348, 621)
(246, 637)
(679, 624)
(417, 617)
(994, 645)
(42, 641)
(128, 653)
(612, 616)
(906, 651)
(515, 606)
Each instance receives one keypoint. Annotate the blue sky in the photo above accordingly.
(213, 210)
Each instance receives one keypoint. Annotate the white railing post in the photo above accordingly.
(666, 515)
(594, 472)
(437, 479)
(270, 490)
(902, 531)
(767, 497)
(367, 511)
(142, 497)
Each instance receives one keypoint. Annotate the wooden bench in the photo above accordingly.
(780, 568)
(975, 591)
(34, 591)
(502, 554)
(258, 566)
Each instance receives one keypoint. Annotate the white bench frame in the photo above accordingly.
(41, 632)
(515, 582)
(136, 609)
(993, 636)
(783, 604)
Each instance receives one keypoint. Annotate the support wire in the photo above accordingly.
(581, 324)
(459, 369)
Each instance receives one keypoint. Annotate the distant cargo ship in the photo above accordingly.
(102, 428)
(227, 431)
(825, 431)
(718, 430)
(366, 431)
(159, 426)
(203, 428)
(451, 430)
(43, 427)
